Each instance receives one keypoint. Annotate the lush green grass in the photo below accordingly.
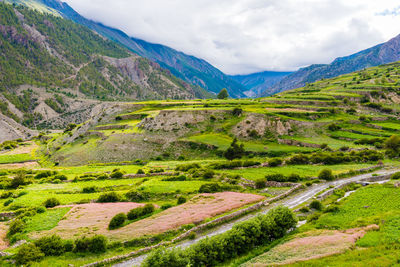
(322, 139)
(157, 186)
(368, 205)
(223, 142)
(47, 220)
(302, 170)
(4, 159)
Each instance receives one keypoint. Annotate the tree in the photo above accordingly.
(28, 253)
(393, 144)
(326, 174)
(235, 151)
(223, 94)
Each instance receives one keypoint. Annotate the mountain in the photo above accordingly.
(186, 67)
(380, 54)
(256, 83)
(54, 71)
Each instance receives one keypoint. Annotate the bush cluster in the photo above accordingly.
(136, 196)
(326, 174)
(240, 239)
(233, 164)
(332, 158)
(210, 188)
(282, 178)
(134, 214)
(187, 167)
(109, 197)
(275, 162)
(51, 202)
(175, 178)
(117, 221)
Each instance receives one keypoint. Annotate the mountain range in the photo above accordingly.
(380, 54)
(258, 83)
(189, 68)
(198, 72)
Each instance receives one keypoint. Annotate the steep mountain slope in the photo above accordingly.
(52, 69)
(381, 54)
(186, 67)
(256, 83)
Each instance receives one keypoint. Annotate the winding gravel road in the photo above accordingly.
(290, 202)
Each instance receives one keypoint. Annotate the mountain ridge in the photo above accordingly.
(187, 67)
(374, 56)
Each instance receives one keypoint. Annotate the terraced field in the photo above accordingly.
(169, 154)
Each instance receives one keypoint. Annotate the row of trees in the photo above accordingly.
(240, 239)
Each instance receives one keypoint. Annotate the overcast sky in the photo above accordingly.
(244, 36)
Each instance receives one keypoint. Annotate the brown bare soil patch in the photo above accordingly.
(195, 211)
(3, 234)
(89, 219)
(311, 245)
(25, 165)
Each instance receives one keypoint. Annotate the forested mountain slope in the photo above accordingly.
(51, 67)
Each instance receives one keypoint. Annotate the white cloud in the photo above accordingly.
(243, 36)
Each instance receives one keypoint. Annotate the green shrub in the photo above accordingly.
(242, 238)
(316, 205)
(97, 244)
(181, 200)
(117, 221)
(18, 180)
(116, 175)
(61, 177)
(166, 206)
(260, 183)
(16, 226)
(51, 202)
(304, 209)
(140, 171)
(277, 177)
(210, 188)
(134, 214)
(333, 127)
(44, 174)
(81, 244)
(136, 196)
(28, 253)
(175, 178)
(5, 195)
(89, 189)
(148, 208)
(68, 245)
(51, 245)
(8, 202)
(298, 159)
(235, 151)
(326, 174)
(294, 177)
(275, 162)
(187, 167)
(41, 209)
(109, 197)
(395, 176)
(208, 174)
